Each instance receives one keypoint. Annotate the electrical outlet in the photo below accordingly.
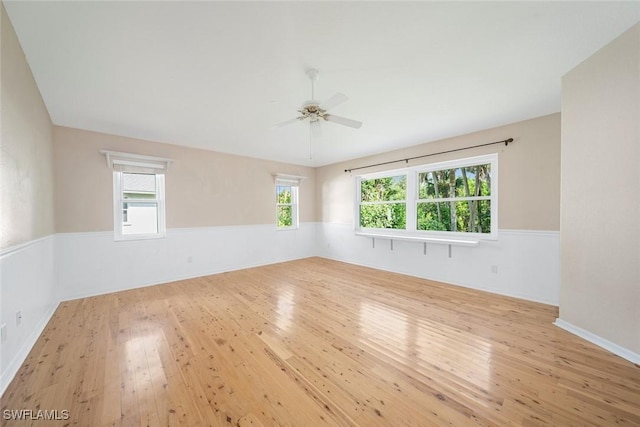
(494, 269)
(3, 332)
(18, 317)
(189, 259)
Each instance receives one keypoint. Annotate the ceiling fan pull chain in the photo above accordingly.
(310, 138)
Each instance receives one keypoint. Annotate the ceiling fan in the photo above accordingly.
(314, 111)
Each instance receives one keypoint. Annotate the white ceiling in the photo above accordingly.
(218, 75)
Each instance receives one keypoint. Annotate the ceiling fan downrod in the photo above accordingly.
(313, 76)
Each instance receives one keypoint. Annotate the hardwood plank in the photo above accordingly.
(318, 342)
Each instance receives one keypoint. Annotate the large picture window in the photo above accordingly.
(454, 198)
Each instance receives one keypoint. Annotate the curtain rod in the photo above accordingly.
(505, 141)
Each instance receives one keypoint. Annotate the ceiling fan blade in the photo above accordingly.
(316, 130)
(343, 121)
(334, 101)
(285, 123)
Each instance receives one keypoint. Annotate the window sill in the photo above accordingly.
(436, 240)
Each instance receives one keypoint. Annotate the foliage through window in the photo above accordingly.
(287, 205)
(456, 197)
(383, 202)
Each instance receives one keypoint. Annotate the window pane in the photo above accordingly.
(478, 181)
(387, 215)
(438, 184)
(139, 186)
(474, 216)
(285, 216)
(450, 183)
(283, 194)
(384, 189)
(433, 184)
(140, 218)
(483, 219)
(434, 216)
(471, 216)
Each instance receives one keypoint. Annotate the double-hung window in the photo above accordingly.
(287, 188)
(455, 199)
(287, 205)
(448, 199)
(383, 202)
(139, 205)
(138, 195)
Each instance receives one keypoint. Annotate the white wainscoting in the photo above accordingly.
(27, 284)
(37, 275)
(93, 263)
(527, 262)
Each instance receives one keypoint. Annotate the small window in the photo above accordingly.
(286, 205)
(138, 205)
(287, 188)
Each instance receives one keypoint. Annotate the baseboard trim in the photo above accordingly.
(599, 341)
(11, 371)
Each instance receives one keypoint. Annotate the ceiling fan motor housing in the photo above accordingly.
(312, 111)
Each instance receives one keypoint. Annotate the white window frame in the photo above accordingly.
(411, 232)
(359, 202)
(137, 163)
(293, 204)
(292, 181)
(118, 208)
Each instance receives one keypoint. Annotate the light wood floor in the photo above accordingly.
(316, 342)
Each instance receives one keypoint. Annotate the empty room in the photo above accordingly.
(319, 213)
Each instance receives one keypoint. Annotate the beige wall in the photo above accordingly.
(529, 173)
(600, 227)
(26, 167)
(203, 188)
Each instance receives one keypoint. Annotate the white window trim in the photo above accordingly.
(411, 232)
(294, 182)
(118, 202)
(130, 162)
(294, 208)
(121, 163)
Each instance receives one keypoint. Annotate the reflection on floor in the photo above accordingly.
(317, 342)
